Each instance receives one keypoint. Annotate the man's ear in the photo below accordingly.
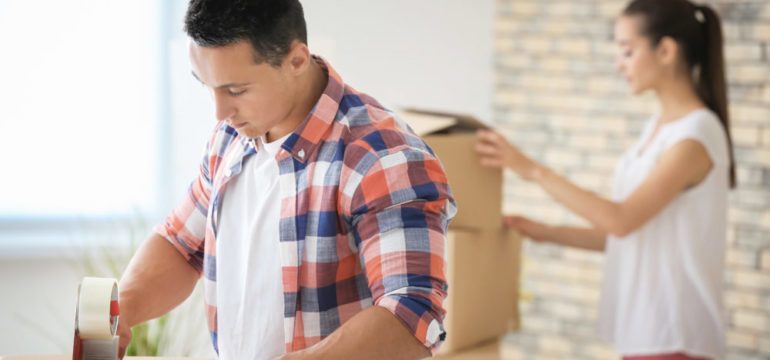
(298, 59)
(667, 51)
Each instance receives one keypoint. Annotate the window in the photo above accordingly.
(81, 93)
(78, 122)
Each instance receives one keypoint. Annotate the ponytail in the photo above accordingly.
(711, 83)
(698, 31)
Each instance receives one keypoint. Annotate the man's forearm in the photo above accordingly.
(374, 333)
(157, 279)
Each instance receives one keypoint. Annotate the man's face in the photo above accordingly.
(252, 98)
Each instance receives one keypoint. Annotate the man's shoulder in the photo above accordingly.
(374, 128)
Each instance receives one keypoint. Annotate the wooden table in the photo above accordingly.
(69, 357)
(486, 351)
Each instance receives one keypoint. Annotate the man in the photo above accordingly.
(317, 220)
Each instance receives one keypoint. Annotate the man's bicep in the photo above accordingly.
(400, 214)
(185, 226)
(405, 269)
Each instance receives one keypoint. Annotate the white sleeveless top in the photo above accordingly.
(662, 285)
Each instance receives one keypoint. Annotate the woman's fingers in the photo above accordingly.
(515, 222)
(490, 149)
(495, 140)
(489, 135)
(486, 149)
(490, 155)
(529, 228)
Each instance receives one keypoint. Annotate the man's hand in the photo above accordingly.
(157, 279)
(124, 331)
(374, 333)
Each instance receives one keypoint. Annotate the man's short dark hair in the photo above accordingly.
(269, 25)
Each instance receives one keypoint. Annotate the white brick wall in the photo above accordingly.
(559, 99)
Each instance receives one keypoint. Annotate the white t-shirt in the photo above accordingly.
(249, 281)
(662, 286)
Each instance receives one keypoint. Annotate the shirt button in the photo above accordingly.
(434, 332)
(301, 153)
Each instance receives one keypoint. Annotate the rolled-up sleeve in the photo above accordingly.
(185, 226)
(400, 206)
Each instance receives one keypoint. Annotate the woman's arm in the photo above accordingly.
(683, 165)
(577, 237)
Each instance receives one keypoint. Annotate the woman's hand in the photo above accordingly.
(495, 151)
(534, 230)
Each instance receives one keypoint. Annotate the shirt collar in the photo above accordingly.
(260, 143)
(303, 142)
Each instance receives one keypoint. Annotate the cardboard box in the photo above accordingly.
(482, 256)
(476, 189)
(483, 276)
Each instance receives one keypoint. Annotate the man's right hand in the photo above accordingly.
(124, 331)
(157, 279)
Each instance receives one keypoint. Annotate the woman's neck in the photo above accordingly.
(677, 98)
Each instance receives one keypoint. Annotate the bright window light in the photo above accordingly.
(79, 107)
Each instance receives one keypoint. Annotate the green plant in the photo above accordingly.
(146, 338)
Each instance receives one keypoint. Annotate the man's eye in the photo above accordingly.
(236, 92)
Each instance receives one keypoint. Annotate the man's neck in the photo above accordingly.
(311, 87)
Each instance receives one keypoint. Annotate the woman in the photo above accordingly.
(664, 229)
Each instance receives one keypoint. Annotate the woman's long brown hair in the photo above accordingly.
(698, 31)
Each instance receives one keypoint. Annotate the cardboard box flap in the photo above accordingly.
(476, 189)
(426, 122)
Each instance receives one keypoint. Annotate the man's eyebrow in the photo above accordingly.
(228, 85)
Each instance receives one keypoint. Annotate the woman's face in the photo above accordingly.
(638, 61)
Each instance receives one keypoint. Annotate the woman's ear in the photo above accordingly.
(667, 51)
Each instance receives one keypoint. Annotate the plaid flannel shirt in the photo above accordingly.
(365, 207)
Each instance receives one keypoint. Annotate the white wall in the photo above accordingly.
(428, 53)
(37, 305)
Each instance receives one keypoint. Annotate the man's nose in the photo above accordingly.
(224, 110)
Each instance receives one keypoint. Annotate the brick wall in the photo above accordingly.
(560, 99)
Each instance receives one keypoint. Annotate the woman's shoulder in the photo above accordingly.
(702, 125)
(700, 121)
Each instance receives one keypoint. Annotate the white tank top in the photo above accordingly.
(662, 285)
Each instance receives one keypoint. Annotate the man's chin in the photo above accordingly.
(249, 132)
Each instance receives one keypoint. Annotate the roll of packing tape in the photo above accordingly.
(97, 313)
